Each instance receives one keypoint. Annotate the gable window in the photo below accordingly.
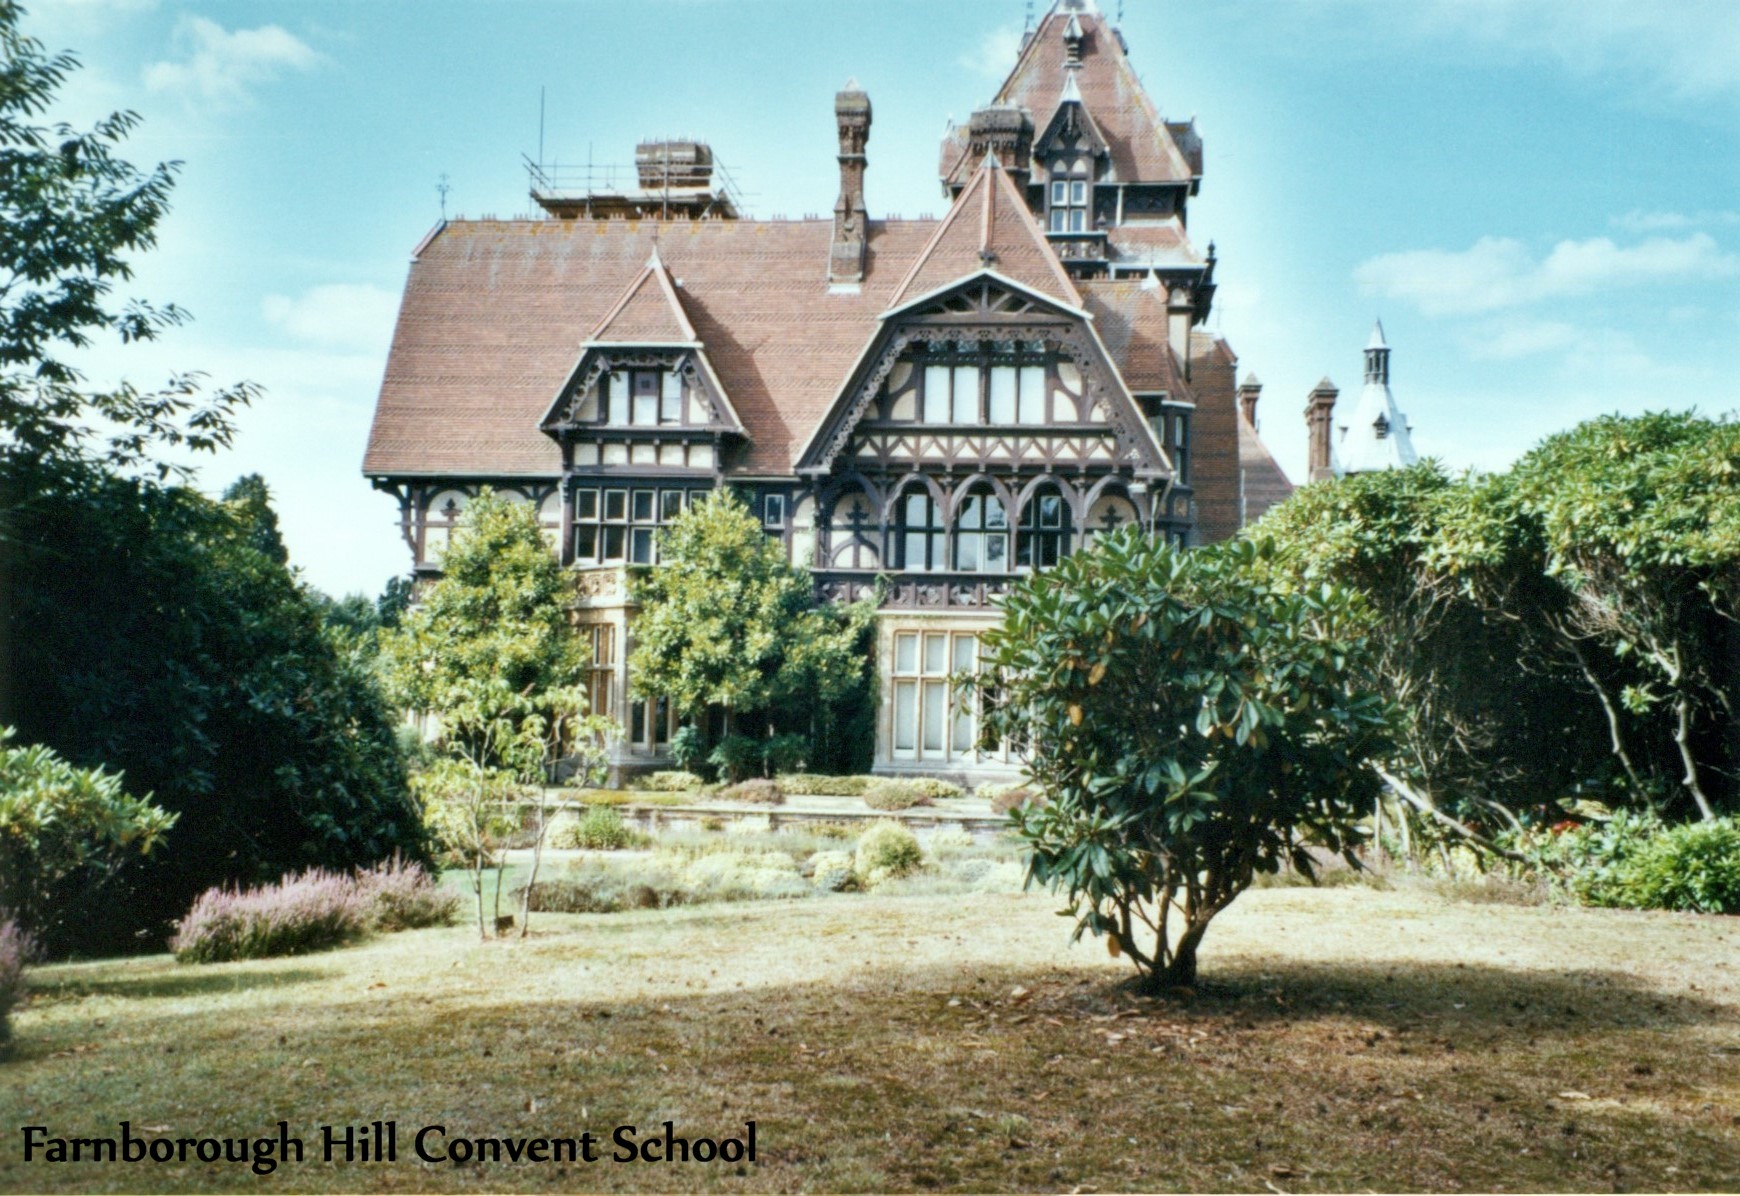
(614, 526)
(978, 383)
(643, 398)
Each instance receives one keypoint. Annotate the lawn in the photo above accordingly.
(1343, 1038)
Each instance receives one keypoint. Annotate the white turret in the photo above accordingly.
(1376, 435)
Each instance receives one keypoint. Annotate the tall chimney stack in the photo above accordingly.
(846, 256)
(1319, 419)
(1250, 390)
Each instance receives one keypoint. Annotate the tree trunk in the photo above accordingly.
(1614, 728)
(1683, 741)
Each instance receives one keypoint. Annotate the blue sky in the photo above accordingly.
(1541, 198)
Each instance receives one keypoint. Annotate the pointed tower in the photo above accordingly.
(846, 256)
(1376, 434)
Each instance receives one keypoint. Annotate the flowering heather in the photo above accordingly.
(310, 911)
(14, 950)
(403, 896)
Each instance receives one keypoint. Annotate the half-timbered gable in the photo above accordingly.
(921, 410)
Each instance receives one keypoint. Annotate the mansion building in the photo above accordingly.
(941, 405)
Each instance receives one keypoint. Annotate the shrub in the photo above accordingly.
(1695, 868)
(402, 896)
(14, 951)
(783, 753)
(712, 822)
(600, 828)
(311, 911)
(831, 871)
(935, 788)
(734, 755)
(946, 843)
(669, 782)
(885, 851)
(838, 831)
(816, 785)
(895, 795)
(758, 790)
(689, 748)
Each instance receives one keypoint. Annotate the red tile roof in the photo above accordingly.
(495, 312)
(989, 227)
(1265, 484)
(1141, 144)
(648, 313)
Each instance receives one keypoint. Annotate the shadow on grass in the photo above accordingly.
(169, 981)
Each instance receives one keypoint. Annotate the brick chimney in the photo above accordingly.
(846, 256)
(1319, 419)
(1250, 390)
(1006, 132)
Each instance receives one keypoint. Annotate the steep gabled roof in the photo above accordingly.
(1262, 480)
(649, 312)
(1141, 144)
(988, 228)
(494, 312)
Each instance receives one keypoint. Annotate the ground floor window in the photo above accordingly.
(598, 648)
(936, 713)
(651, 725)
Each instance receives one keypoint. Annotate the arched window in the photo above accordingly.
(854, 533)
(982, 534)
(1070, 193)
(1043, 537)
(917, 533)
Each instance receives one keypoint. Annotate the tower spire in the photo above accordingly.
(1377, 356)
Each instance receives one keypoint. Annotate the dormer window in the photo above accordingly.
(1069, 196)
(1382, 427)
(642, 398)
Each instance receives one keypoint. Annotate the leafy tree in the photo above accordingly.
(726, 621)
(489, 657)
(64, 832)
(1491, 715)
(71, 214)
(1640, 522)
(152, 635)
(1191, 726)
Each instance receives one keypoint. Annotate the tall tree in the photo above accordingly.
(727, 621)
(489, 659)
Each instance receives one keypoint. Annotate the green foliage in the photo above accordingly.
(727, 622)
(935, 788)
(489, 657)
(1693, 867)
(689, 748)
(15, 951)
(832, 871)
(1477, 733)
(1191, 726)
(669, 782)
(821, 786)
(735, 755)
(74, 213)
(152, 636)
(1639, 520)
(895, 795)
(63, 832)
(784, 753)
(886, 850)
(600, 828)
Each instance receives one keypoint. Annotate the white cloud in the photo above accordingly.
(995, 54)
(1500, 272)
(338, 315)
(1513, 339)
(222, 67)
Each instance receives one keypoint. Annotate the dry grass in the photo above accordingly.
(1343, 1039)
